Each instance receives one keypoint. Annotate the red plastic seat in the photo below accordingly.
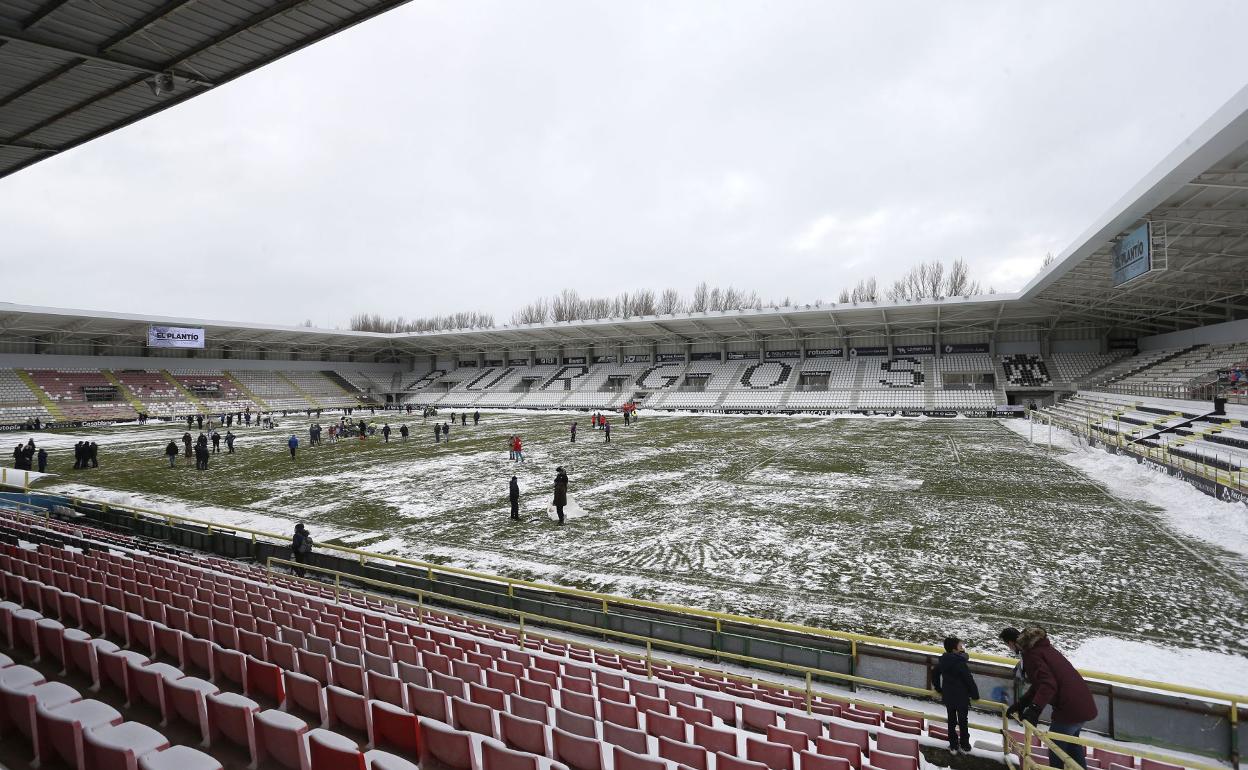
(394, 727)
(727, 762)
(537, 691)
(50, 635)
(694, 715)
(523, 734)
(661, 725)
(624, 714)
(1108, 758)
(428, 702)
(633, 740)
(197, 656)
(178, 758)
(723, 708)
(303, 694)
(169, 644)
(472, 717)
(145, 683)
(577, 752)
(330, 751)
(791, 738)
(446, 745)
(349, 676)
(578, 703)
(758, 717)
(776, 756)
(345, 707)
(896, 744)
(118, 747)
(280, 737)
(387, 688)
(830, 747)
(627, 760)
(410, 673)
(858, 736)
(232, 716)
(809, 760)
(576, 724)
(683, 753)
(230, 666)
(714, 739)
(496, 757)
(886, 760)
(264, 679)
(61, 729)
(187, 697)
(113, 668)
(811, 727)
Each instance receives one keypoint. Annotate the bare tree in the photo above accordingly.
(865, 291)
(670, 302)
(533, 313)
(843, 297)
(701, 299)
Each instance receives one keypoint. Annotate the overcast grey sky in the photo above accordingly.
(475, 154)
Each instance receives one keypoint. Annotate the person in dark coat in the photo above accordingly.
(385, 432)
(18, 456)
(93, 454)
(43, 460)
(403, 431)
(606, 431)
(201, 457)
(446, 432)
(1009, 636)
(561, 492)
(216, 443)
(186, 441)
(574, 432)
(300, 547)
(229, 442)
(476, 417)
(1055, 682)
(952, 679)
(437, 433)
(513, 491)
(77, 454)
(463, 419)
(171, 452)
(199, 421)
(188, 423)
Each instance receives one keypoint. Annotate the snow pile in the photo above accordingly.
(1189, 667)
(1187, 509)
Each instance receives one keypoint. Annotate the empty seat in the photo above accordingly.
(232, 716)
(178, 758)
(61, 729)
(328, 750)
(776, 756)
(346, 708)
(809, 760)
(683, 753)
(280, 737)
(394, 727)
(444, 744)
(496, 757)
(624, 759)
(118, 747)
(886, 760)
(523, 734)
(187, 698)
(578, 752)
(830, 747)
(896, 744)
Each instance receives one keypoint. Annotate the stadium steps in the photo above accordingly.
(125, 392)
(790, 386)
(260, 402)
(345, 384)
(40, 394)
(1151, 364)
(302, 393)
(860, 372)
(185, 391)
(733, 378)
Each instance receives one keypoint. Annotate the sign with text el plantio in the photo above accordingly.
(174, 337)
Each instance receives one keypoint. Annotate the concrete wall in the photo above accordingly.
(1231, 331)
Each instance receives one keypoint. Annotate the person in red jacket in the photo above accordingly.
(1054, 681)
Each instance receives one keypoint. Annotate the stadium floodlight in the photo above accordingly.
(161, 84)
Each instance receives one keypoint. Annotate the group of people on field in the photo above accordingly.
(1043, 678)
(25, 456)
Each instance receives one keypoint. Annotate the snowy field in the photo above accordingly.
(907, 528)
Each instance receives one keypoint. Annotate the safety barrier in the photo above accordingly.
(1161, 714)
(1235, 481)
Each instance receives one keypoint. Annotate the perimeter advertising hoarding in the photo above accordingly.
(1132, 255)
(174, 337)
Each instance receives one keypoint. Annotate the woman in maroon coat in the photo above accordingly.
(1054, 681)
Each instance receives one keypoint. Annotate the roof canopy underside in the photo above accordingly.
(73, 70)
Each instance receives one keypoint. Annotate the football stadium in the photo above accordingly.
(736, 537)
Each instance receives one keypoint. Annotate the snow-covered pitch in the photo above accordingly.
(909, 528)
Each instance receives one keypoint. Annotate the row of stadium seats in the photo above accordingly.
(119, 395)
(288, 674)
